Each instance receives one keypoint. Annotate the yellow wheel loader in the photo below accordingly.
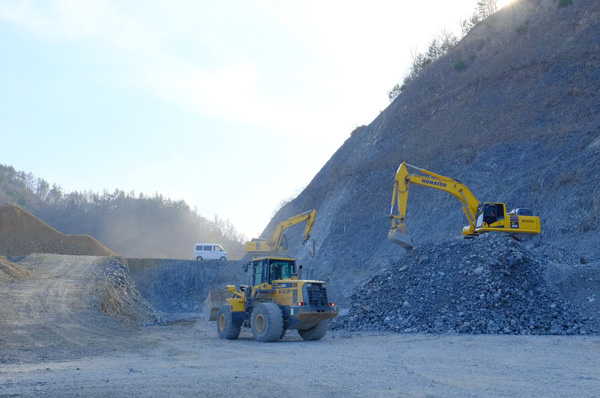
(486, 217)
(277, 243)
(275, 300)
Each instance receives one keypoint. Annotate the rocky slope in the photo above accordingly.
(517, 121)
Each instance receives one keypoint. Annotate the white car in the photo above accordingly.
(209, 251)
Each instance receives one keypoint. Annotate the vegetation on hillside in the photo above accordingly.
(440, 45)
(131, 225)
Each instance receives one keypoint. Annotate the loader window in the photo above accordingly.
(281, 269)
(275, 272)
(260, 271)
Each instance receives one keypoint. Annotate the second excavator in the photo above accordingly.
(486, 217)
(277, 243)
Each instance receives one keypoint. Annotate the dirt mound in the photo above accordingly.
(70, 306)
(22, 234)
(489, 285)
(11, 271)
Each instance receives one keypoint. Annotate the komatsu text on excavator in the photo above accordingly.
(486, 217)
(277, 243)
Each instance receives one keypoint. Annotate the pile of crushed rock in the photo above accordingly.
(22, 234)
(119, 296)
(489, 285)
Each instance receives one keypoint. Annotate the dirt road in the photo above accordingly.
(57, 341)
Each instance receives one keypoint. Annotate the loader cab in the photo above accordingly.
(270, 269)
(490, 213)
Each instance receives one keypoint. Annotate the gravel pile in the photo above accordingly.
(10, 271)
(488, 285)
(22, 234)
(120, 298)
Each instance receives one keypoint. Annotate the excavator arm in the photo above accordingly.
(308, 216)
(399, 233)
(277, 242)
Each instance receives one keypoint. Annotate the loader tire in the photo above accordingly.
(317, 332)
(267, 322)
(226, 327)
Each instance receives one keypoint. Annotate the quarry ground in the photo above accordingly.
(73, 329)
(187, 359)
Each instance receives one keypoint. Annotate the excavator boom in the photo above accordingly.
(277, 242)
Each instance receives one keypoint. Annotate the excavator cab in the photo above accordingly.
(490, 213)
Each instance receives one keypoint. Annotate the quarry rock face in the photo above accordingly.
(518, 124)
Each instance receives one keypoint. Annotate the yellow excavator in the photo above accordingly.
(486, 217)
(277, 243)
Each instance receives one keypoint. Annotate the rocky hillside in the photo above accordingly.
(512, 111)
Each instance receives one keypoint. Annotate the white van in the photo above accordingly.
(209, 251)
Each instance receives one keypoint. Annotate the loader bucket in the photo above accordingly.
(214, 301)
(400, 236)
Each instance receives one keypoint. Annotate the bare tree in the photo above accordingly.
(485, 8)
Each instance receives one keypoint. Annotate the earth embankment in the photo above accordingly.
(22, 234)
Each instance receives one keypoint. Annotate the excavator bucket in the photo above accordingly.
(310, 246)
(400, 236)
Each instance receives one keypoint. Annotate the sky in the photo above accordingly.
(230, 105)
